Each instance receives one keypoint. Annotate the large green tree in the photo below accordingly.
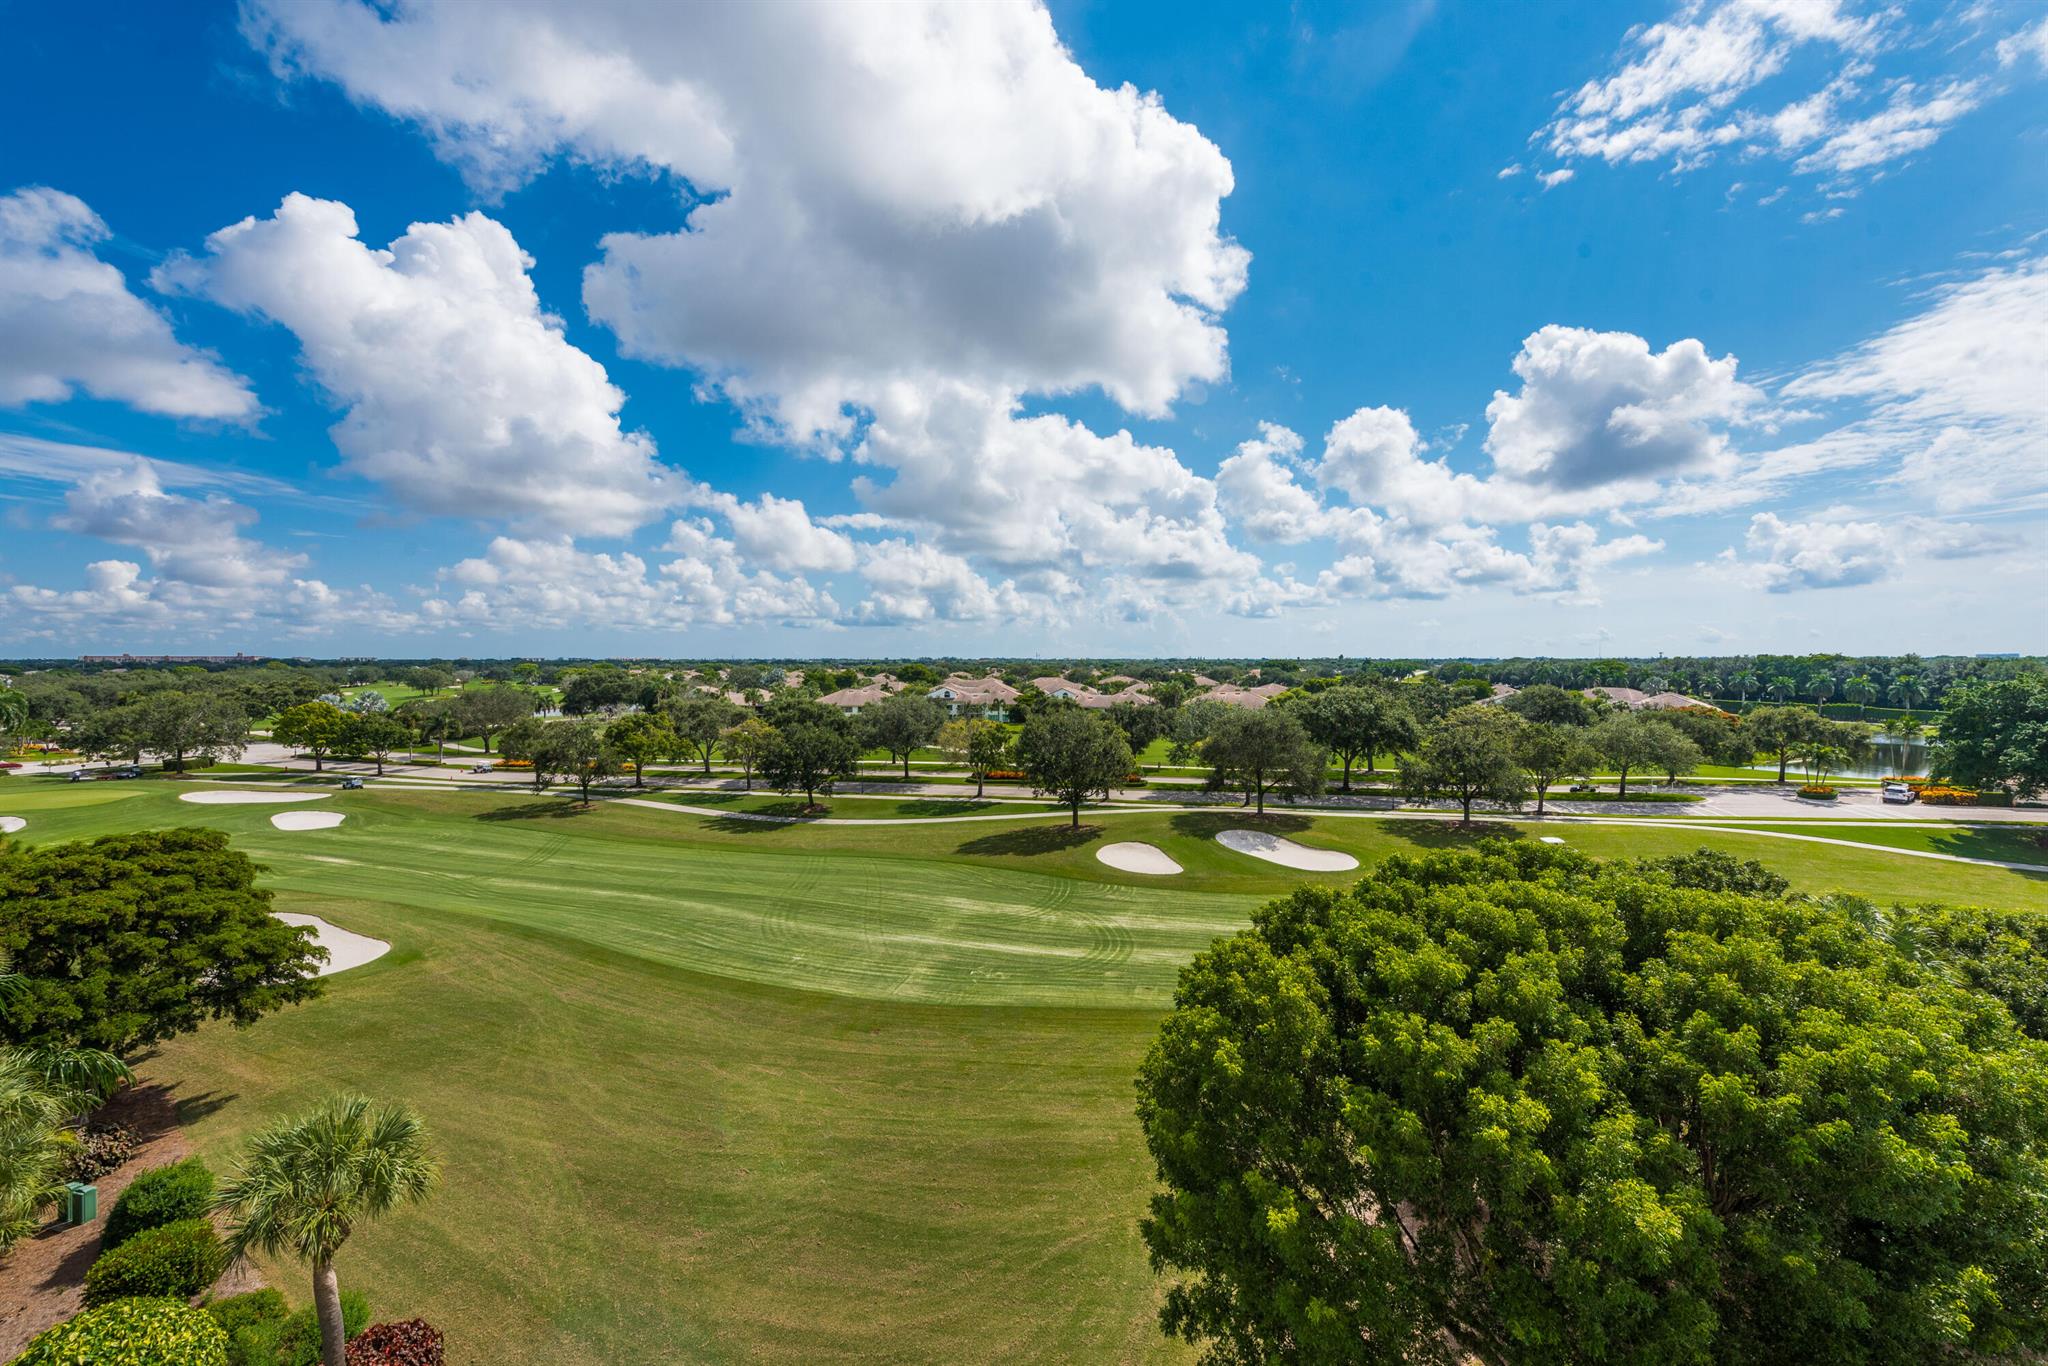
(700, 720)
(375, 735)
(314, 728)
(1262, 750)
(978, 745)
(1550, 753)
(486, 711)
(176, 726)
(641, 738)
(130, 939)
(814, 747)
(1356, 721)
(901, 724)
(1995, 735)
(1468, 756)
(1513, 1105)
(1780, 732)
(1072, 756)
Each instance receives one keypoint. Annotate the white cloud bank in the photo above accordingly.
(68, 321)
(463, 396)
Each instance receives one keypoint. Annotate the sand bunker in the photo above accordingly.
(1546, 839)
(10, 824)
(1137, 858)
(307, 820)
(345, 948)
(235, 798)
(1286, 853)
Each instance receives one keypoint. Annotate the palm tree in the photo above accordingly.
(305, 1183)
(1781, 689)
(1906, 691)
(1742, 680)
(1861, 690)
(1820, 688)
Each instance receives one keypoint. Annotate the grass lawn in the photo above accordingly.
(721, 1090)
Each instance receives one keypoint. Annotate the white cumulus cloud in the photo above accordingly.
(68, 321)
(463, 396)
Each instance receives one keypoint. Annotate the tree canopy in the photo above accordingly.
(901, 724)
(1072, 755)
(131, 939)
(1995, 735)
(1264, 750)
(1468, 757)
(1358, 722)
(1513, 1105)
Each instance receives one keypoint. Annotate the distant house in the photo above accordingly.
(851, 700)
(1063, 688)
(963, 695)
(1501, 693)
(1627, 697)
(1204, 681)
(1119, 679)
(1098, 701)
(1230, 695)
(1673, 701)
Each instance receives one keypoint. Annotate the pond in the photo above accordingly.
(1889, 758)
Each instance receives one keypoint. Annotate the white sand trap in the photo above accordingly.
(1546, 839)
(307, 820)
(345, 948)
(1286, 853)
(243, 798)
(10, 824)
(1137, 858)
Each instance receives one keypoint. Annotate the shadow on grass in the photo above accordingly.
(1449, 833)
(1208, 825)
(1029, 840)
(942, 806)
(2003, 846)
(536, 811)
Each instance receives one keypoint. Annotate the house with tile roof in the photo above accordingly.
(987, 697)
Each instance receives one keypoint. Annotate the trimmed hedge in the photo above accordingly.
(412, 1342)
(176, 1261)
(131, 1332)
(251, 1322)
(161, 1195)
(1818, 792)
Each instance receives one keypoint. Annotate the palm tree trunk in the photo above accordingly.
(327, 1304)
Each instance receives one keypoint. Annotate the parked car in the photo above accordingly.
(1899, 794)
(351, 784)
(129, 772)
(79, 775)
(480, 768)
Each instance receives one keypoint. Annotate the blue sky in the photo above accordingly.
(709, 330)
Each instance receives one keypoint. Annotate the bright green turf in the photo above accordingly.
(721, 1090)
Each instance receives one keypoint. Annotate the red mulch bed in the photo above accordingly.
(42, 1279)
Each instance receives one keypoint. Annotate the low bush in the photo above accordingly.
(176, 1261)
(413, 1342)
(102, 1148)
(298, 1337)
(132, 1332)
(1936, 794)
(257, 1307)
(161, 1195)
(1818, 792)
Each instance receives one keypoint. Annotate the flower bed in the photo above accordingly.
(1004, 775)
(1935, 794)
(1818, 792)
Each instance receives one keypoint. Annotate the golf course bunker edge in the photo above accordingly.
(1285, 852)
(1135, 857)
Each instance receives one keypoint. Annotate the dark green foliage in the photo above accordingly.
(1514, 1105)
(1358, 722)
(902, 724)
(1716, 870)
(1469, 756)
(1072, 755)
(162, 1195)
(130, 939)
(133, 1332)
(1995, 735)
(810, 752)
(177, 1260)
(1264, 750)
(250, 1310)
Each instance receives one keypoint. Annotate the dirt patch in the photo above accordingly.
(43, 1279)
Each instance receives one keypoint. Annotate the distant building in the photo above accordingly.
(963, 695)
(851, 700)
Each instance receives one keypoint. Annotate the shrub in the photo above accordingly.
(237, 1312)
(298, 1337)
(414, 1342)
(1003, 775)
(177, 1261)
(132, 1332)
(102, 1148)
(1936, 794)
(161, 1195)
(1817, 792)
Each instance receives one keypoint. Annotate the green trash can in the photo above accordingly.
(80, 1204)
